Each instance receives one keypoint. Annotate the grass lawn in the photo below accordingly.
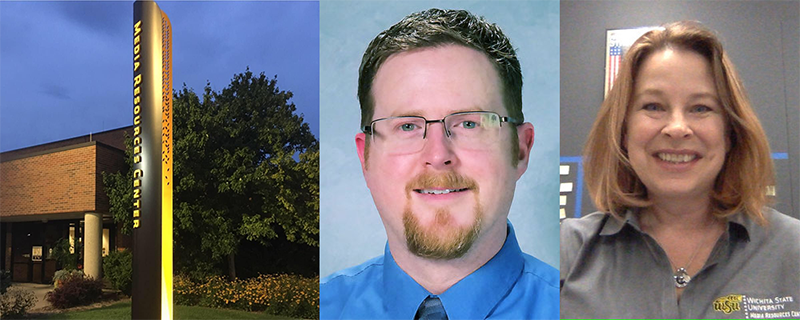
(122, 310)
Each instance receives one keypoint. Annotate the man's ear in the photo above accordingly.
(525, 134)
(361, 148)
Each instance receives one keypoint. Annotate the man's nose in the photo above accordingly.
(438, 151)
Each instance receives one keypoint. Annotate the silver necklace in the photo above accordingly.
(681, 276)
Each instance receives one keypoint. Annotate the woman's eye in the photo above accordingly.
(701, 109)
(651, 107)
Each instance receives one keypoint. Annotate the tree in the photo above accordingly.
(246, 166)
(119, 190)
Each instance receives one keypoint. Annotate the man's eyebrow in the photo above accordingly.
(474, 108)
(419, 112)
(407, 113)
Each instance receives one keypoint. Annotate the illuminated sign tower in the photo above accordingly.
(152, 163)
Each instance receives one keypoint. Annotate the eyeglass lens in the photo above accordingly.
(467, 130)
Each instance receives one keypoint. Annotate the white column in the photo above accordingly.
(93, 245)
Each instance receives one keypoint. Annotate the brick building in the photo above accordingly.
(54, 191)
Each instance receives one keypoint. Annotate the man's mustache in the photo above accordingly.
(449, 179)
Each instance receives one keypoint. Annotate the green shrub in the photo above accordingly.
(184, 292)
(62, 255)
(118, 270)
(15, 303)
(5, 280)
(63, 274)
(75, 290)
(284, 295)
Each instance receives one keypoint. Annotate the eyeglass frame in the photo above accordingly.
(514, 121)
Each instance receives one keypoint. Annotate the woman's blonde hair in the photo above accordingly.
(748, 170)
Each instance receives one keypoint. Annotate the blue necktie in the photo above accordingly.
(431, 309)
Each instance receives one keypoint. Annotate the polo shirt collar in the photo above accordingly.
(739, 226)
(474, 297)
(614, 225)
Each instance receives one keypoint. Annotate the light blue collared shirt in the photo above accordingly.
(512, 285)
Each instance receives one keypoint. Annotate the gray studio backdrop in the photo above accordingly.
(760, 36)
(350, 229)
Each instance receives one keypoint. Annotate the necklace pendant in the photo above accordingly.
(682, 277)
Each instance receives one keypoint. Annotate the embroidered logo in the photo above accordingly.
(728, 304)
(758, 307)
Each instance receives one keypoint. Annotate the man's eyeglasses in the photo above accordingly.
(471, 130)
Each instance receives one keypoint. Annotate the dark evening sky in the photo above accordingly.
(66, 67)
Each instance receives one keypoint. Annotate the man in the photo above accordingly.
(443, 143)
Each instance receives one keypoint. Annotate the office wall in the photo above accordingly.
(762, 38)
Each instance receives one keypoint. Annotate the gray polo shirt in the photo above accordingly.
(611, 269)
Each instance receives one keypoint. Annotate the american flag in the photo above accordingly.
(614, 60)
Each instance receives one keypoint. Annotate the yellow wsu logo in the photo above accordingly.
(728, 304)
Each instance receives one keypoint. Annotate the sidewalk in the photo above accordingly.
(39, 290)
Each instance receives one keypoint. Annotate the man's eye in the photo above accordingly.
(469, 124)
(408, 127)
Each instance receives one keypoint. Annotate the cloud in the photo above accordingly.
(56, 91)
(109, 18)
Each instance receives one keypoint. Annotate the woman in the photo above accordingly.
(678, 165)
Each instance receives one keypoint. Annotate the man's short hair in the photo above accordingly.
(747, 171)
(434, 28)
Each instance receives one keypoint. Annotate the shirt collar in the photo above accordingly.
(614, 225)
(402, 295)
(739, 226)
(474, 297)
